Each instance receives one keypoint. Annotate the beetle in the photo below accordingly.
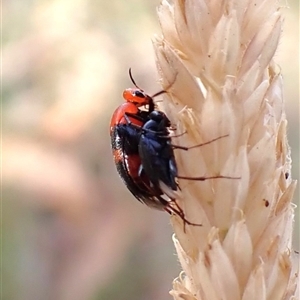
(157, 155)
(143, 153)
(125, 128)
(125, 131)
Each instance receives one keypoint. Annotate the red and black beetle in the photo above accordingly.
(143, 152)
(125, 130)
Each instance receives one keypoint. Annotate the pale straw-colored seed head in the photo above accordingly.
(221, 54)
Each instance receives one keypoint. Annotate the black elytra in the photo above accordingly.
(156, 152)
(157, 156)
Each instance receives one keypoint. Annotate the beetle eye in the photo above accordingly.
(139, 94)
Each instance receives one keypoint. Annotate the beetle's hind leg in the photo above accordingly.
(173, 207)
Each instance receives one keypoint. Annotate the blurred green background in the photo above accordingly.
(71, 230)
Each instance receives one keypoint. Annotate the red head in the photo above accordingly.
(137, 96)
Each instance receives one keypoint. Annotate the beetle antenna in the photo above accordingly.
(132, 80)
(156, 94)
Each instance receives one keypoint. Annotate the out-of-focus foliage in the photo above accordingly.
(71, 230)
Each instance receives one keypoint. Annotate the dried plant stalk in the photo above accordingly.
(227, 83)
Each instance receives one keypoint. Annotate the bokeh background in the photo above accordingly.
(70, 229)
